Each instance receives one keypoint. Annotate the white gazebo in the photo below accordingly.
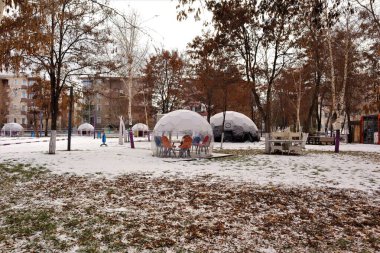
(12, 129)
(85, 129)
(140, 129)
(237, 127)
(174, 131)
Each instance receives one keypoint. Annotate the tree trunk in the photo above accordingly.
(298, 85)
(332, 73)
(342, 94)
(52, 143)
(208, 110)
(121, 130)
(224, 120)
(2, 7)
(46, 124)
(349, 134)
(145, 109)
(130, 83)
(54, 115)
(268, 118)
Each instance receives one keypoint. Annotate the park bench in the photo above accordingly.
(287, 142)
(326, 140)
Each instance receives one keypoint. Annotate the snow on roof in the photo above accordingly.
(184, 121)
(86, 127)
(233, 119)
(12, 127)
(140, 127)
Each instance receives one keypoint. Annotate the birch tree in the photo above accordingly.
(130, 52)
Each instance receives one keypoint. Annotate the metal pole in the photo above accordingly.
(337, 139)
(70, 116)
(131, 138)
(95, 118)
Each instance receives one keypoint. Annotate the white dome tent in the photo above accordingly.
(12, 129)
(182, 133)
(237, 127)
(85, 129)
(140, 129)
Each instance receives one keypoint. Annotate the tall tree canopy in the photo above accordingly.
(61, 38)
(165, 74)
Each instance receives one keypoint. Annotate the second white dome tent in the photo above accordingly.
(182, 133)
(85, 129)
(140, 129)
(237, 127)
(12, 129)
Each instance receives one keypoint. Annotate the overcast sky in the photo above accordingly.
(159, 18)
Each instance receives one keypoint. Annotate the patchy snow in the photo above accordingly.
(355, 170)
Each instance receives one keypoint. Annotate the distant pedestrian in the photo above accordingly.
(104, 139)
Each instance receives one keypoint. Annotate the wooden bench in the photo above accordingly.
(327, 140)
(288, 142)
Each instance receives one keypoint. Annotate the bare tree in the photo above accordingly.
(63, 39)
(165, 74)
(130, 52)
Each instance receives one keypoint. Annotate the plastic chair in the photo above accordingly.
(196, 141)
(185, 146)
(157, 141)
(204, 145)
(167, 146)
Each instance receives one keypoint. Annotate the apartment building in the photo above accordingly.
(106, 98)
(18, 101)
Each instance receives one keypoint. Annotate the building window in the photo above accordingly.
(98, 108)
(14, 107)
(23, 94)
(14, 120)
(98, 120)
(15, 93)
(15, 81)
(23, 121)
(24, 82)
(24, 108)
(86, 83)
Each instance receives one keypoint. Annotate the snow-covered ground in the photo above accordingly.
(357, 169)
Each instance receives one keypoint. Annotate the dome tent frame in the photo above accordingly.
(183, 134)
(237, 127)
(12, 129)
(87, 128)
(140, 129)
